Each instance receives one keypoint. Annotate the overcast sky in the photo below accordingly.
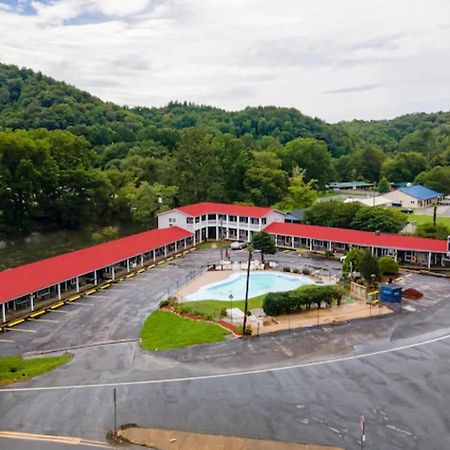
(334, 59)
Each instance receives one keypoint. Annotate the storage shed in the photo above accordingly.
(391, 292)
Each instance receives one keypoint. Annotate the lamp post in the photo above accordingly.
(221, 239)
(231, 304)
(250, 253)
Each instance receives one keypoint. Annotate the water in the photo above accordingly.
(260, 283)
(18, 250)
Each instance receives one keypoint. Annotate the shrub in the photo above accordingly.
(388, 265)
(276, 303)
(295, 270)
(328, 253)
(306, 271)
(286, 269)
(164, 303)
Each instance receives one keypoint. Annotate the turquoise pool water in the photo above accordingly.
(260, 283)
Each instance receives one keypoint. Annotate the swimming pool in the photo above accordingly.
(260, 283)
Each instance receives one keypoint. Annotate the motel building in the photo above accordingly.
(214, 221)
(28, 289)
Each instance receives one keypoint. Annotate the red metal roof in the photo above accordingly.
(197, 209)
(356, 237)
(32, 277)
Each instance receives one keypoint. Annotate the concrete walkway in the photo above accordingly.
(160, 439)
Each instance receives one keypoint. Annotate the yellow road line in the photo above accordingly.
(16, 322)
(409, 275)
(177, 255)
(141, 270)
(152, 266)
(57, 305)
(72, 299)
(105, 286)
(161, 262)
(131, 275)
(90, 292)
(38, 313)
(170, 259)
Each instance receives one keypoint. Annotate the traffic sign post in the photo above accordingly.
(362, 427)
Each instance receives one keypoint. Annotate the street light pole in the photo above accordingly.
(246, 289)
(221, 239)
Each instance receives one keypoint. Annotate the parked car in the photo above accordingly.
(238, 245)
(407, 210)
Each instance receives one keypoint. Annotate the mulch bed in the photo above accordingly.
(412, 294)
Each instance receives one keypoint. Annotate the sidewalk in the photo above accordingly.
(156, 438)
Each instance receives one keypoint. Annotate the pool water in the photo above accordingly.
(260, 283)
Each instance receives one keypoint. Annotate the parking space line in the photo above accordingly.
(9, 341)
(82, 304)
(58, 311)
(22, 331)
(44, 320)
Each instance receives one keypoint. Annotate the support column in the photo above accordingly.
(217, 233)
(310, 245)
(128, 265)
(395, 255)
(429, 260)
(165, 251)
(95, 278)
(154, 255)
(113, 273)
(142, 260)
(14, 305)
(77, 281)
(248, 230)
(4, 312)
(32, 302)
(292, 241)
(176, 247)
(185, 245)
(373, 251)
(59, 291)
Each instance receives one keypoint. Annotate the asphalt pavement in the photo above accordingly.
(309, 385)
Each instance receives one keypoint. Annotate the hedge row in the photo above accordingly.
(276, 303)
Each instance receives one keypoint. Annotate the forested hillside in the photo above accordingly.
(67, 159)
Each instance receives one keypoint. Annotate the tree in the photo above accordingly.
(378, 219)
(265, 182)
(403, 166)
(428, 230)
(198, 175)
(438, 178)
(263, 242)
(312, 156)
(388, 265)
(351, 261)
(383, 186)
(369, 268)
(300, 194)
(105, 234)
(333, 213)
(368, 162)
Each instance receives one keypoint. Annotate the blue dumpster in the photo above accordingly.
(391, 292)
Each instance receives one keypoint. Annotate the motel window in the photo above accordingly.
(243, 219)
(254, 221)
(211, 217)
(232, 218)
(222, 217)
(204, 218)
(263, 220)
(172, 220)
(197, 219)
(189, 220)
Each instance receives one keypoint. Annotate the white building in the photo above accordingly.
(219, 220)
(416, 196)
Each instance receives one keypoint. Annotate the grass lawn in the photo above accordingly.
(14, 368)
(423, 218)
(214, 307)
(164, 330)
(213, 244)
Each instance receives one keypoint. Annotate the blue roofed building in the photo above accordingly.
(415, 196)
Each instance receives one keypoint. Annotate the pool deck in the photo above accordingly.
(214, 276)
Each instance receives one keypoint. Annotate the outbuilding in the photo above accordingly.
(416, 196)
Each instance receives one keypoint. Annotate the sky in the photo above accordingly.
(333, 59)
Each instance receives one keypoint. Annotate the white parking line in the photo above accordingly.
(9, 341)
(22, 331)
(231, 374)
(44, 320)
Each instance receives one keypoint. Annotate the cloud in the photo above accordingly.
(240, 52)
(352, 89)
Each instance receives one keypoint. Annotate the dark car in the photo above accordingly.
(407, 210)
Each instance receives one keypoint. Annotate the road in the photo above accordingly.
(310, 385)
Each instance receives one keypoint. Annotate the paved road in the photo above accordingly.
(404, 394)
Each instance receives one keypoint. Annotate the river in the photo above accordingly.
(15, 251)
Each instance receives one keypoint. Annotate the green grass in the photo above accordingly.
(213, 244)
(423, 218)
(164, 330)
(15, 368)
(213, 308)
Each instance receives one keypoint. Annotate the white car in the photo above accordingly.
(342, 258)
(238, 245)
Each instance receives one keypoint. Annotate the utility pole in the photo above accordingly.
(221, 239)
(434, 215)
(115, 411)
